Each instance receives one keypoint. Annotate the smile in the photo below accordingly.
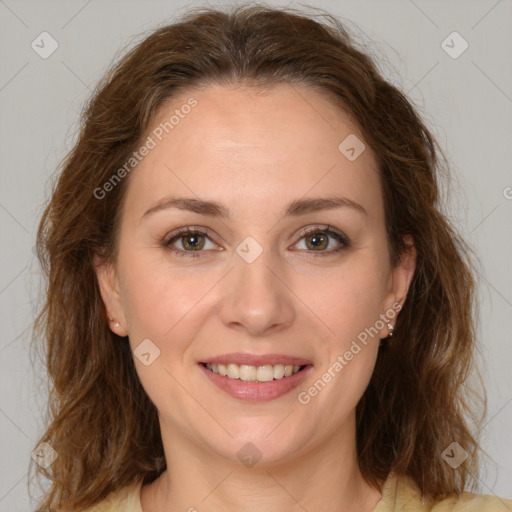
(248, 373)
(255, 383)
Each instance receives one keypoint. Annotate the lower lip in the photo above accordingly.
(257, 391)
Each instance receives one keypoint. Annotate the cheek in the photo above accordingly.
(165, 308)
(163, 304)
(350, 298)
(346, 298)
(155, 303)
(350, 309)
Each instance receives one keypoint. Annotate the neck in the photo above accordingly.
(326, 477)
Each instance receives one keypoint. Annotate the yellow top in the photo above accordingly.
(399, 494)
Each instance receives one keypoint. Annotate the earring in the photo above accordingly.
(390, 327)
(116, 324)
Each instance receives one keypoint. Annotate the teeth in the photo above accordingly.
(265, 373)
(233, 371)
(247, 373)
(278, 371)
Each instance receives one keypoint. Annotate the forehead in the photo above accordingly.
(251, 148)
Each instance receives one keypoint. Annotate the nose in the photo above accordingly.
(257, 297)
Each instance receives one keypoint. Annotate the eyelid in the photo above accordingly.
(325, 228)
(313, 229)
(201, 230)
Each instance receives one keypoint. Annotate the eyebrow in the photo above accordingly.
(216, 209)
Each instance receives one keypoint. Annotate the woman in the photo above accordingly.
(254, 301)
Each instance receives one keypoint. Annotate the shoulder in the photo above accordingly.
(471, 502)
(126, 499)
(401, 494)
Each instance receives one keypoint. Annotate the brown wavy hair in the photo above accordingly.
(420, 399)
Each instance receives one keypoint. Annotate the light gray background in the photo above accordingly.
(466, 101)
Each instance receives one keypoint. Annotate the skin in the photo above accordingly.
(255, 153)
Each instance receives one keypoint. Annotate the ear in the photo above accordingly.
(109, 288)
(400, 281)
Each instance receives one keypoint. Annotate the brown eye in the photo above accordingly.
(317, 240)
(193, 241)
(188, 242)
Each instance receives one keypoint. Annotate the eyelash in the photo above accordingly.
(189, 230)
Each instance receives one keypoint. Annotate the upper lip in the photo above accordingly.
(257, 360)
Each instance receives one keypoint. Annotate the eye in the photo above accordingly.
(317, 239)
(192, 241)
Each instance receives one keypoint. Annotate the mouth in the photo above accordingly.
(257, 382)
(250, 373)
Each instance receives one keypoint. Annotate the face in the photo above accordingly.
(263, 276)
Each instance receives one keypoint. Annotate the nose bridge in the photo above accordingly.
(256, 298)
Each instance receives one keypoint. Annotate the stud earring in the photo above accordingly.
(116, 324)
(390, 327)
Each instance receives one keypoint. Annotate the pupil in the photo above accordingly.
(192, 242)
(317, 240)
